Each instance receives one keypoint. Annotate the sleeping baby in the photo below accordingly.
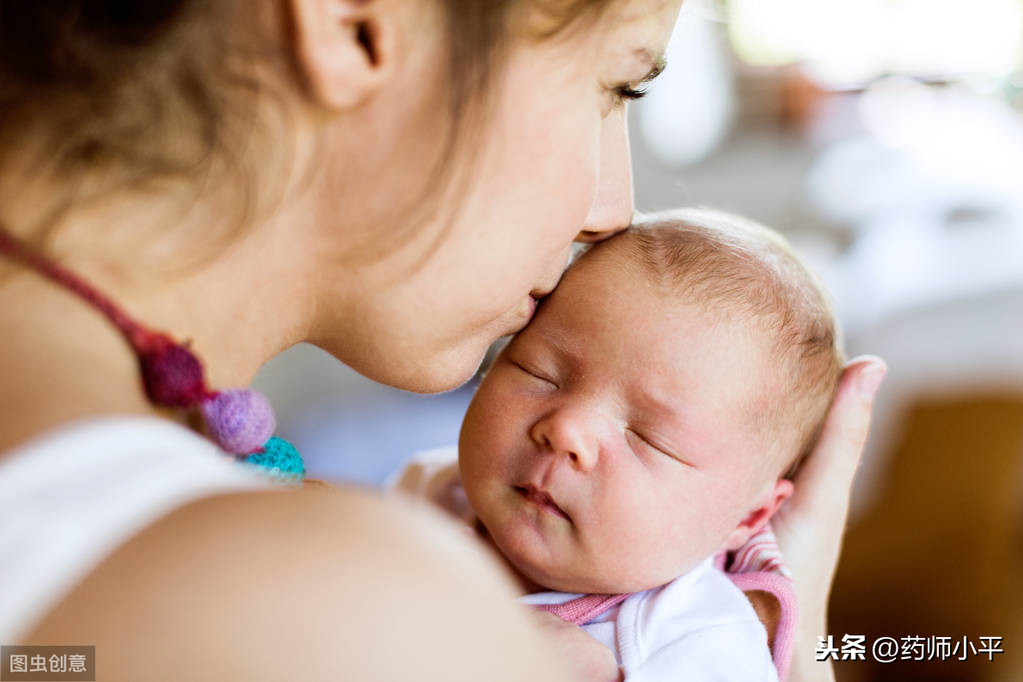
(646, 421)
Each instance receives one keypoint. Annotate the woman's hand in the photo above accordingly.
(809, 526)
(589, 659)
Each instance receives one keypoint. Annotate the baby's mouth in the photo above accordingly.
(542, 499)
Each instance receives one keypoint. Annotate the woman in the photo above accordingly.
(395, 181)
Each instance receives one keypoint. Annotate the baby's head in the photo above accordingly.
(649, 415)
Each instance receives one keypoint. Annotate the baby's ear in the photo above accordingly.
(766, 505)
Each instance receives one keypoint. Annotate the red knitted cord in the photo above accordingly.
(172, 374)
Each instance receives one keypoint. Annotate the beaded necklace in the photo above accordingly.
(239, 420)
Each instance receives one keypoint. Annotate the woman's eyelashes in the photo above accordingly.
(636, 89)
(619, 94)
(625, 91)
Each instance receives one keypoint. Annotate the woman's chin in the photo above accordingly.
(446, 372)
(419, 369)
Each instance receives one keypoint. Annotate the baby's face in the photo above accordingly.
(611, 446)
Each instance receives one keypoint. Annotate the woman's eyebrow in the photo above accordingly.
(658, 63)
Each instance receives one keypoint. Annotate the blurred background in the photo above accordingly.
(885, 139)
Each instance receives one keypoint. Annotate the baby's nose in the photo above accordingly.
(566, 432)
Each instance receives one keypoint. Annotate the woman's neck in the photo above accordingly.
(61, 359)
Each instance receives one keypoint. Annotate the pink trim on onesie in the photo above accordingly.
(759, 566)
(582, 610)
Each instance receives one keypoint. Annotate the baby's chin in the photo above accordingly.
(536, 575)
(592, 579)
(594, 584)
(544, 581)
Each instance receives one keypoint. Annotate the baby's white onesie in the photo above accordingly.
(698, 627)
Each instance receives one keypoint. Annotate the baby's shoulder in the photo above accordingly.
(433, 476)
(697, 624)
(700, 600)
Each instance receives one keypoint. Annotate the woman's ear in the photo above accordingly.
(344, 48)
(767, 504)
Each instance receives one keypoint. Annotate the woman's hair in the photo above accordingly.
(732, 266)
(154, 90)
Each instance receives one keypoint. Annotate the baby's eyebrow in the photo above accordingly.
(662, 408)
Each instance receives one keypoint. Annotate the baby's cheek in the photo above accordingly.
(693, 529)
(647, 537)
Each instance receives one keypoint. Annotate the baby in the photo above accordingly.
(648, 419)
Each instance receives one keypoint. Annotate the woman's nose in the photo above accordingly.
(612, 207)
(567, 432)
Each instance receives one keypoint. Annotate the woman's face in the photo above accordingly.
(553, 162)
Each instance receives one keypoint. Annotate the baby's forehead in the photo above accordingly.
(617, 259)
(665, 323)
(743, 334)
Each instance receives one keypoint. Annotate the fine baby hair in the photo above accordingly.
(734, 267)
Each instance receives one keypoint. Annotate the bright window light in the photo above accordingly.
(842, 41)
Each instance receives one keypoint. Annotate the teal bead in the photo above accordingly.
(280, 459)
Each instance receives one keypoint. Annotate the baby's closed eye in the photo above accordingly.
(534, 373)
(649, 443)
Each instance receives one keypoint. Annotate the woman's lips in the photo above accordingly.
(542, 499)
(537, 295)
(534, 302)
(523, 315)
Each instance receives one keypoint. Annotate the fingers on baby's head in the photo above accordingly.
(736, 267)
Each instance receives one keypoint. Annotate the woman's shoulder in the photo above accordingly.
(107, 435)
(326, 569)
(108, 466)
(71, 495)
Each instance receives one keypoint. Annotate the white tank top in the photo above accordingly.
(70, 497)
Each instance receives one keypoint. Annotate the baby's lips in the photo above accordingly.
(542, 498)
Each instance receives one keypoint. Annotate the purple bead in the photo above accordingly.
(240, 420)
